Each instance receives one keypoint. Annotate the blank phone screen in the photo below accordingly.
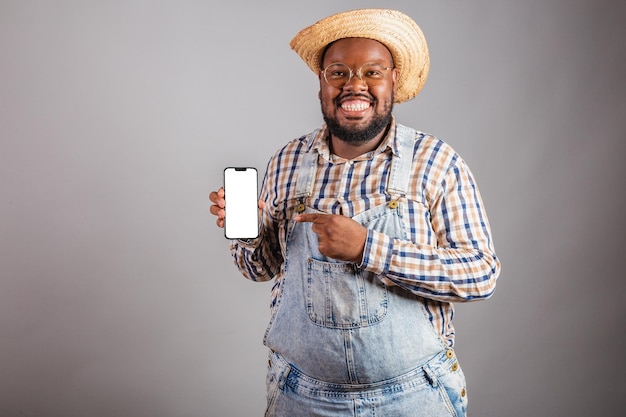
(240, 192)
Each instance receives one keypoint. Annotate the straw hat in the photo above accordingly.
(397, 31)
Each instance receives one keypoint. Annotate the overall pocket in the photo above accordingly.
(340, 296)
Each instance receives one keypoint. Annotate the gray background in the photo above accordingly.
(118, 296)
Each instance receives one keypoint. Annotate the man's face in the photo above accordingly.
(356, 112)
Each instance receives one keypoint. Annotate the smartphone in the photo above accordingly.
(242, 207)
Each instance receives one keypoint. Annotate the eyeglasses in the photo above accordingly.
(338, 74)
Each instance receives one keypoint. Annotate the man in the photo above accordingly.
(370, 230)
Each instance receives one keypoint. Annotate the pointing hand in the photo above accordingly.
(339, 237)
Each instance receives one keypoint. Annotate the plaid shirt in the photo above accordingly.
(449, 255)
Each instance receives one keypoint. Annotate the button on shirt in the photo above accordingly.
(449, 254)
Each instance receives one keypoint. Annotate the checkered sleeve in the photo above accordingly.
(460, 264)
(260, 259)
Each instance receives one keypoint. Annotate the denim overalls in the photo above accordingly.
(343, 343)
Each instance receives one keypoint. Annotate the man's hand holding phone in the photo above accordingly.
(217, 208)
(240, 216)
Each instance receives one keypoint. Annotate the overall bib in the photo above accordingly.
(345, 344)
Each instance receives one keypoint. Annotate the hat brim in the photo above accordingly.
(394, 29)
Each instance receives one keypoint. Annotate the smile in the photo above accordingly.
(355, 105)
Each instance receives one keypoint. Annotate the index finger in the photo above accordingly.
(310, 217)
(215, 195)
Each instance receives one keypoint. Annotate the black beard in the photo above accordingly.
(357, 136)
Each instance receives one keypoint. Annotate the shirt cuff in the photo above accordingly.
(377, 253)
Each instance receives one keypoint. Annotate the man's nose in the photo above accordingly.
(356, 83)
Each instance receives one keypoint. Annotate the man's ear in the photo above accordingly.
(319, 77)
(394, 78)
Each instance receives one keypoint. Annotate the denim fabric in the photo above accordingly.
(372, 345)
(430, 390)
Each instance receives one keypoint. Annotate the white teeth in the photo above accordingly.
(358, 106)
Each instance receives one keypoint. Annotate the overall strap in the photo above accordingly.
(400, 172)
(307, 170)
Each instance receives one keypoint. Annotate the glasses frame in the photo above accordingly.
(353, 73)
